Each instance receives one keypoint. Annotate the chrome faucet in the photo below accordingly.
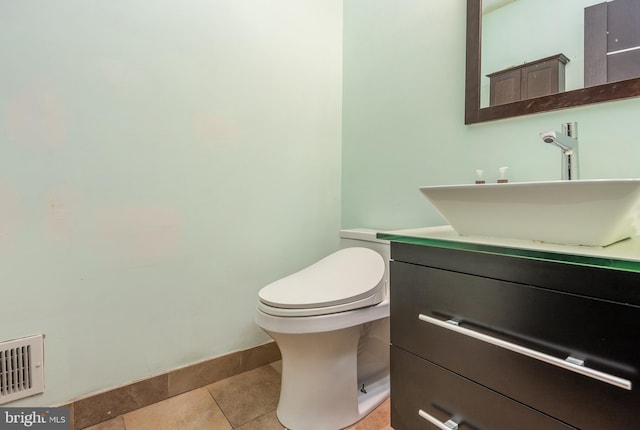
(567, 141)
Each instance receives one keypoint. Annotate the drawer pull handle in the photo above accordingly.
(567, 365)
(449, 425)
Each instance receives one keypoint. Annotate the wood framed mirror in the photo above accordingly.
(474, 113)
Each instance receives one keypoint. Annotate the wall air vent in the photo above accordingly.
(21, 368)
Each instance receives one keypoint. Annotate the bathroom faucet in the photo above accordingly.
(567, 141)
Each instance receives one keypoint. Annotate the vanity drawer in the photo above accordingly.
(548, 326)
(613, 285)
(418, 385)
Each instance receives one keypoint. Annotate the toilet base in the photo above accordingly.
(323, 376)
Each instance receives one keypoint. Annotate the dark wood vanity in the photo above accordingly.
(496, 339)
(611, 42)
(533, 79)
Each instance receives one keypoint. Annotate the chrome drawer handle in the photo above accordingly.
(449, 425)
(569, 364)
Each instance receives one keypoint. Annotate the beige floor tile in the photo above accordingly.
(277, 365)
(114, 424)
(247, 396)
(248, 400)
(194, 410)
(266, 422)
(118, 401)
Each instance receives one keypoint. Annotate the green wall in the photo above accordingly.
(403, 114)
(161, 162)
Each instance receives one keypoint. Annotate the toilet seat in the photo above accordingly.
(306, 312)
(348, 279)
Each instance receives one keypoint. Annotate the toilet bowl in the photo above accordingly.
(331, 323)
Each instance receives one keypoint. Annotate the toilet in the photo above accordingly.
(331, 323)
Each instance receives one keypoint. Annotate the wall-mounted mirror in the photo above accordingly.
(564, 53)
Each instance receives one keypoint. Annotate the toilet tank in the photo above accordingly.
(366, 238)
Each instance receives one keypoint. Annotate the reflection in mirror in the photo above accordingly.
(540, 55)
(521, 32)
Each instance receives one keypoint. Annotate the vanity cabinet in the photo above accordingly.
(534, 79)
(611, 42)
(494, 341)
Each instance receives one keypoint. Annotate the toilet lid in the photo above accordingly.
(348, 275)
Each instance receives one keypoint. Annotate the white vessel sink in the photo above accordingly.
(595, 212)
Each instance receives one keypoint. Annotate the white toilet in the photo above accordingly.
(331, 323)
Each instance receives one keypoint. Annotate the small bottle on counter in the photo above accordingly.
(479, 178)
(502, 179)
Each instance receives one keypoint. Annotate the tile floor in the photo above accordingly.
(246, 401)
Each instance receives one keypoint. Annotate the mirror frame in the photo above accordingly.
(584, 96)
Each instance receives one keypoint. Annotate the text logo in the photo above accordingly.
(34, 418)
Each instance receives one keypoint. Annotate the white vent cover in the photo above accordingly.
(21, 368)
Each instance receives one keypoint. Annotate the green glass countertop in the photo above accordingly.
(623, 255)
